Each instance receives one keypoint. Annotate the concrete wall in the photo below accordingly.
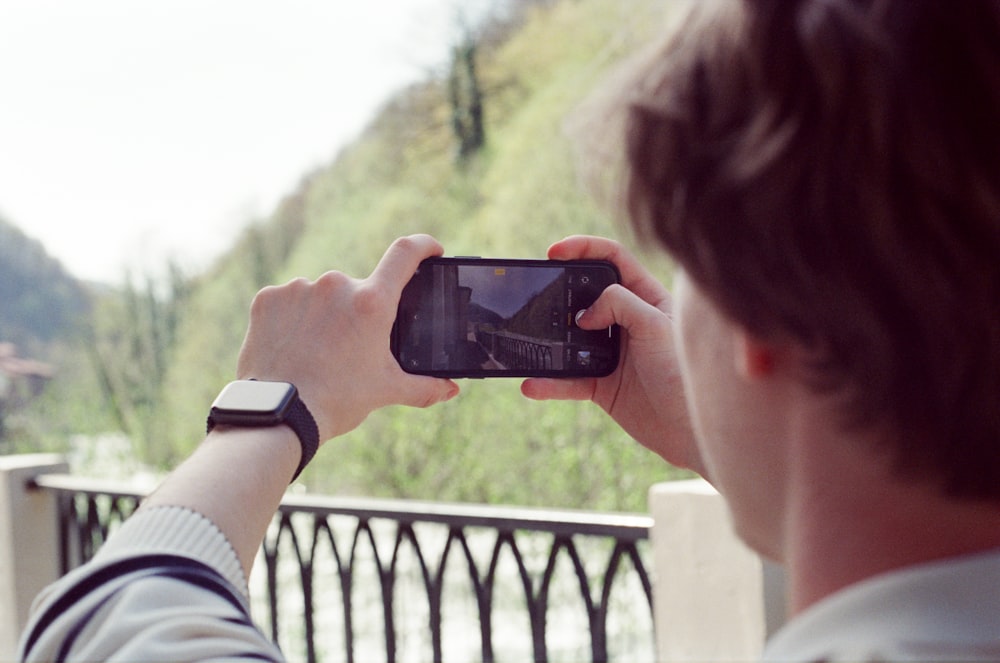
(714, 598)
(29, 541)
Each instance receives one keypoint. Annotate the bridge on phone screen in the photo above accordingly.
(522, 352)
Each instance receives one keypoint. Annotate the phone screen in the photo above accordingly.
(476, 317)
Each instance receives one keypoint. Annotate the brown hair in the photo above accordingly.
(829, 171)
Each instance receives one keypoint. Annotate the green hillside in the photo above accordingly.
(513, 198)
(534, 317)
(42, 308)
(40, 301)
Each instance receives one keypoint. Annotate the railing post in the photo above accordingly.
(713, 598)
(29, 541)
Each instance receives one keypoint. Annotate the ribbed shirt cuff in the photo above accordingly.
(175, 530)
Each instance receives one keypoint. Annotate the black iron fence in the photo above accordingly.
(359, 579)
(519, 351)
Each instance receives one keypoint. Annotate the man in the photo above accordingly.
(824, 173)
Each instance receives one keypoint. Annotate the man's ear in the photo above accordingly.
(755, 359)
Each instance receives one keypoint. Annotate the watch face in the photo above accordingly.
(251, 398)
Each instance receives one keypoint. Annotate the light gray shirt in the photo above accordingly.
(166, 587)
(941, 611)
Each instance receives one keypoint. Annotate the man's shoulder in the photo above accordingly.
(944, 610)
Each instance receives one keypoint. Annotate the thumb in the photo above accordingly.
(618, 305)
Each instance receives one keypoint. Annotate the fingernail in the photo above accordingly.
(579, 314)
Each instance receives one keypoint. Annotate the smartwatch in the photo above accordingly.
(256, 403)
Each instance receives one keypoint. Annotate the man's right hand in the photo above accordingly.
(645, 394)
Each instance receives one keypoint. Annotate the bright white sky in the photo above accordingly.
(132, 130)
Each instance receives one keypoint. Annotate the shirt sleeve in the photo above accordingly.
(166, 586)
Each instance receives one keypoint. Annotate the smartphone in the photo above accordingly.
(488, 317)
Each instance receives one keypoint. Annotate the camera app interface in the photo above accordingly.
(485, 319)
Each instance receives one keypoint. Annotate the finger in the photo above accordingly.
(544, 389)
(402, 257)
(620, 306)
(421, 391)
(635, 277)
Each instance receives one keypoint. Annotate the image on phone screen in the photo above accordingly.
(503, 318)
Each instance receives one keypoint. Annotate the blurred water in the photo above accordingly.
(629, 623)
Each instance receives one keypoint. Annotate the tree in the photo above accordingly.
(132, 339)
(466, 97)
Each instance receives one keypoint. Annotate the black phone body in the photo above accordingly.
(489, 317)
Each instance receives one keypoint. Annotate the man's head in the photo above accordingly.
(828, 172)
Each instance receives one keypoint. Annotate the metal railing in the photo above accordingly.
(364, 579)
(519, 351)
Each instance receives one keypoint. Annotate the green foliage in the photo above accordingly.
(492, 445)
(72, 404)
(513, 197)
(131, 343)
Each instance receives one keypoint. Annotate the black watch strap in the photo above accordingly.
(300, 419)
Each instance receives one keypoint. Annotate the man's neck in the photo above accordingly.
(851, 518)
